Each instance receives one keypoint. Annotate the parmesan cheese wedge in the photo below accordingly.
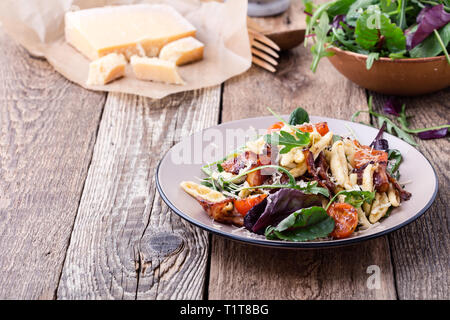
(106, 69)
(199, 191)
(155, 69)
(97, 32)
(182, 51)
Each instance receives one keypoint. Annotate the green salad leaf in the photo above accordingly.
(298, 116)
(394, 160)
(378, 28)
(374, 29)
(371, 58)
(313, 188)
(302, 225)
(287, 140)
(339, 7)
(355, 198)
(356, 9)
(318, 49)
(431, 47)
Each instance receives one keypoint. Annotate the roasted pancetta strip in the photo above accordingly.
(249, 160)
(323, 167)
(380, 178)
(404, 195)
(222, 211)
(320, 172)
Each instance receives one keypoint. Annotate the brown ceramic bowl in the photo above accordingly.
(403, 77)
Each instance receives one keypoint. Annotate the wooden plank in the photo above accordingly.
(420, 251)
(291, 19)
(126, 244)
(47, 133)
(248, 272)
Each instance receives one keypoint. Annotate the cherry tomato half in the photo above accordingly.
(244, 205)
(345, 218)
(275, 127)
(322, 128)
(367, 154)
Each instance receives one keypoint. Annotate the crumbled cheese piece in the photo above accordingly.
(256, 146)
(106, 69)
(182, 51)
(155, 69)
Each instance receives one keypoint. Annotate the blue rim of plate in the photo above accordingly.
(292, 244)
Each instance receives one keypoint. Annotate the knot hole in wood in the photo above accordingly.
(162, 244)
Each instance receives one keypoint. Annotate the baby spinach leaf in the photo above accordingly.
(339, 7)
(298, 116)
(302, 225)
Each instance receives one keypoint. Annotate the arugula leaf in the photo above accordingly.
(431, 47)
(318, 49)
(398, 55)
(287, 140)
(401, 16)
(390, 125)
(354, 197)
(311, 21)
(403, 119)
(394, 160)
(392, 128)
(302, 225)
(312, 188)
(371, 58)
(298, 116)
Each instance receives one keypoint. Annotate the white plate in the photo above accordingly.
(173, 169)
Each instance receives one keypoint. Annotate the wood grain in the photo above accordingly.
(421, 250)
(47, 133)
(291, 19)
(126, 244)
(248, 272)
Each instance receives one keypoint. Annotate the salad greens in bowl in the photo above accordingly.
(396, 47)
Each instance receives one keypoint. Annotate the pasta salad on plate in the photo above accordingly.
(300, 182)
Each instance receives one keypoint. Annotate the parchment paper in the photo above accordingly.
(39, 26)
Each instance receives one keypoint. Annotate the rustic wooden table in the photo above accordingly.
(80, 217)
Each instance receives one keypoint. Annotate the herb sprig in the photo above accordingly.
(401, 130)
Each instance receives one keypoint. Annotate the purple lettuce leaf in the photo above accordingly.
(393, 107)
(336, 21)
(433, 134)
(379, 143)
(278, 206)
(429, 19)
